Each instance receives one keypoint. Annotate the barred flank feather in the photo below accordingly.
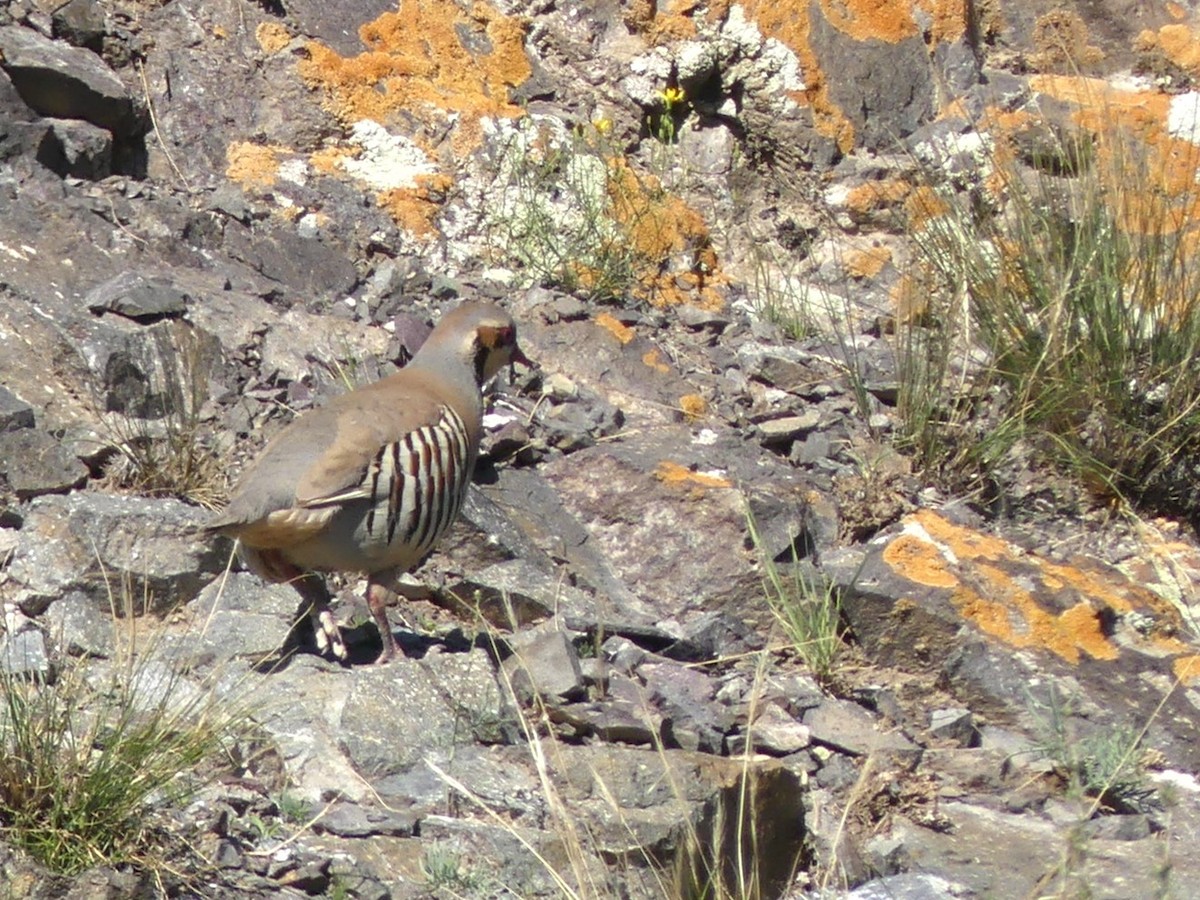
(420, 482)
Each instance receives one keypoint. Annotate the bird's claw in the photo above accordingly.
(329, 635)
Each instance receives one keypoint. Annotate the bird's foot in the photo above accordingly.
(386, 655)
(329, 635)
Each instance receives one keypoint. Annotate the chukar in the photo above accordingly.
(371, 480)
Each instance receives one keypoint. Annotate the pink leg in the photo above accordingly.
(325, 627)
(378, 598)
(315, 597)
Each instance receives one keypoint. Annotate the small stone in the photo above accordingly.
(623, 654)
(957, 725)
(355, 821)
(814, 448)
(137, 297)
(15, 413)
(77, 625)
(788, 428)
(544, 663)
(227, 856)
(84, 149)
(35, 464)
(886, 854)
(25, 654)
(848, 727)
(568, 308)
(776, 733)
(559, 387)
(696, 318)
(1118, 828)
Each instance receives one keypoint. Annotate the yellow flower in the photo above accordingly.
(671, 96)
(602, 126)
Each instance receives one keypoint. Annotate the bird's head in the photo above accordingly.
(480, 335)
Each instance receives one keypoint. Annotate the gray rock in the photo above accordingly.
(885, 89)
(515, 594)
(239, 616)
(24, 654)
(33, 463)
(76, 623)
(298, 343)
(788, 428)
(1133, 827)
(314, 270)
(622, 654)
(84, 150)
(713, 635)
(957, 725)
(886, 854)
(692, 718)
(353, 820)
(624, 716)
(15, 413)
(698, 318)
(448, 699)
(136, 296)
(135, 552)
(776, 733)
(910, 886)
(544, 664)
(848, 727)
(67, 82)
(336, 27)
(80, 22)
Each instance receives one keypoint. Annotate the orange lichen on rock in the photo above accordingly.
(419, 60)
(669, 239)
(949, 18)
(874, 196)
(669, 472)
(789, 24)
(866, 262)
(653, 359)
(252, 165)
(675, 23)
(963, 543)
(328, 160)
(918, 560)
(1177, 44)
(694, 406)
(1012, 614)
(1150, 175)
(617, 329)
(910, 300)
(272, 37)
(415, 208)
(890, 21)
(1013, 596)
(1060, 42)
(1186, 669)
(922, 205)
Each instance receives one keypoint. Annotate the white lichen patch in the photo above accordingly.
(1183, 117)
(386, 161)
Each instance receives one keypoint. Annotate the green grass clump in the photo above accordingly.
(806, 607)
(85, 762)
(1105, 765)
(1063, 318)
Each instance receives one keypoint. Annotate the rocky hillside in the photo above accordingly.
(713, 625)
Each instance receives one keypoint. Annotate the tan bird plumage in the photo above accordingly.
(371, 480)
